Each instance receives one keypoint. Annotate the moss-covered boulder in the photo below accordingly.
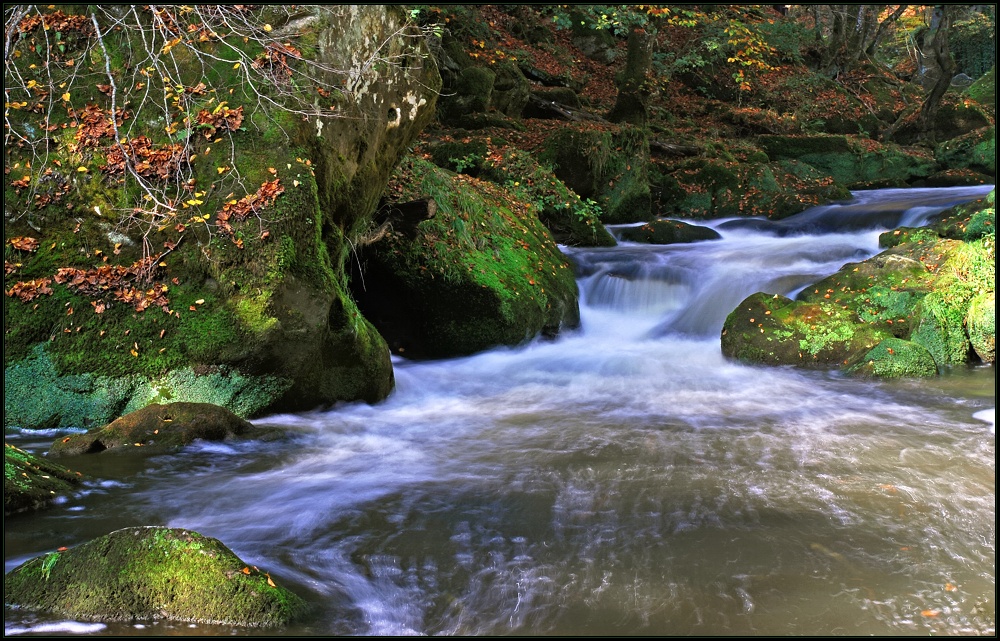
(975, 151)
(572, 220)
(774, 330)
(854, 162)
(666, 232)
(770, 189)
(895, 358)
(933, 289)
(157, 427)
(146, 573)
(610, 166)
(955, 117)
(984, 89)
(233, 289)
(30, 482)
(481, 272)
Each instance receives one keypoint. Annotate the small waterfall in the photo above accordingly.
(692, 287)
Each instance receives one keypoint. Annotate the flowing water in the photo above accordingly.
(624, 479)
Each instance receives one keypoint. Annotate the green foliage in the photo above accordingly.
(973, 42)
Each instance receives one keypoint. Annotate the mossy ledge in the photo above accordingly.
(259, 320)
(30, 482)
(147, 573)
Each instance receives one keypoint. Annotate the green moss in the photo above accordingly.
(940, 327)
(482, 272)
(984, 90)
(895, 358)
(463, 157)
(775, 330)
(244, 395)
(975, 150)
(981, 326)
(571, 219)
(31, 482)
(850, 163)
(152, 573)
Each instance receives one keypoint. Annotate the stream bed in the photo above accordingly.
(624, 479)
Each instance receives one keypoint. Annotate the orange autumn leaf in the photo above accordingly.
(24, 243)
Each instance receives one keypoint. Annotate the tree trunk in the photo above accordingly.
(940, 53)
(630, 105)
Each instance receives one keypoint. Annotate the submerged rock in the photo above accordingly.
(31, 482)
(159, 427)
(152, 573)
(666, 232)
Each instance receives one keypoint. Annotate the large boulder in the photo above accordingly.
(571, 219)
(143, 573)
(480, 272)
(30, 482)
(238, 295)
(774, 330)
(975, 151)
(157, 427)
(770, 189)
(924, 304)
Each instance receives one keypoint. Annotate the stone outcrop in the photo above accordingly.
(258, 315)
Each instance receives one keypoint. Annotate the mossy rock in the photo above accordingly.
(666, 232)
(895, 358)
(984, 89)
(148, 573)
(609, 166)
(571, 220)
(483, 272)
(773, 190)
(883, 291)
(265, 310)
(510, 89)
(157, 427)
(462, 157)
(921, 289)
(850, 163)
(775, 330)
(975, 151)
(981, 324)
(31, 482)
(472, 93)
(939, 327)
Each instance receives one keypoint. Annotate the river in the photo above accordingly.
(625, 479)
